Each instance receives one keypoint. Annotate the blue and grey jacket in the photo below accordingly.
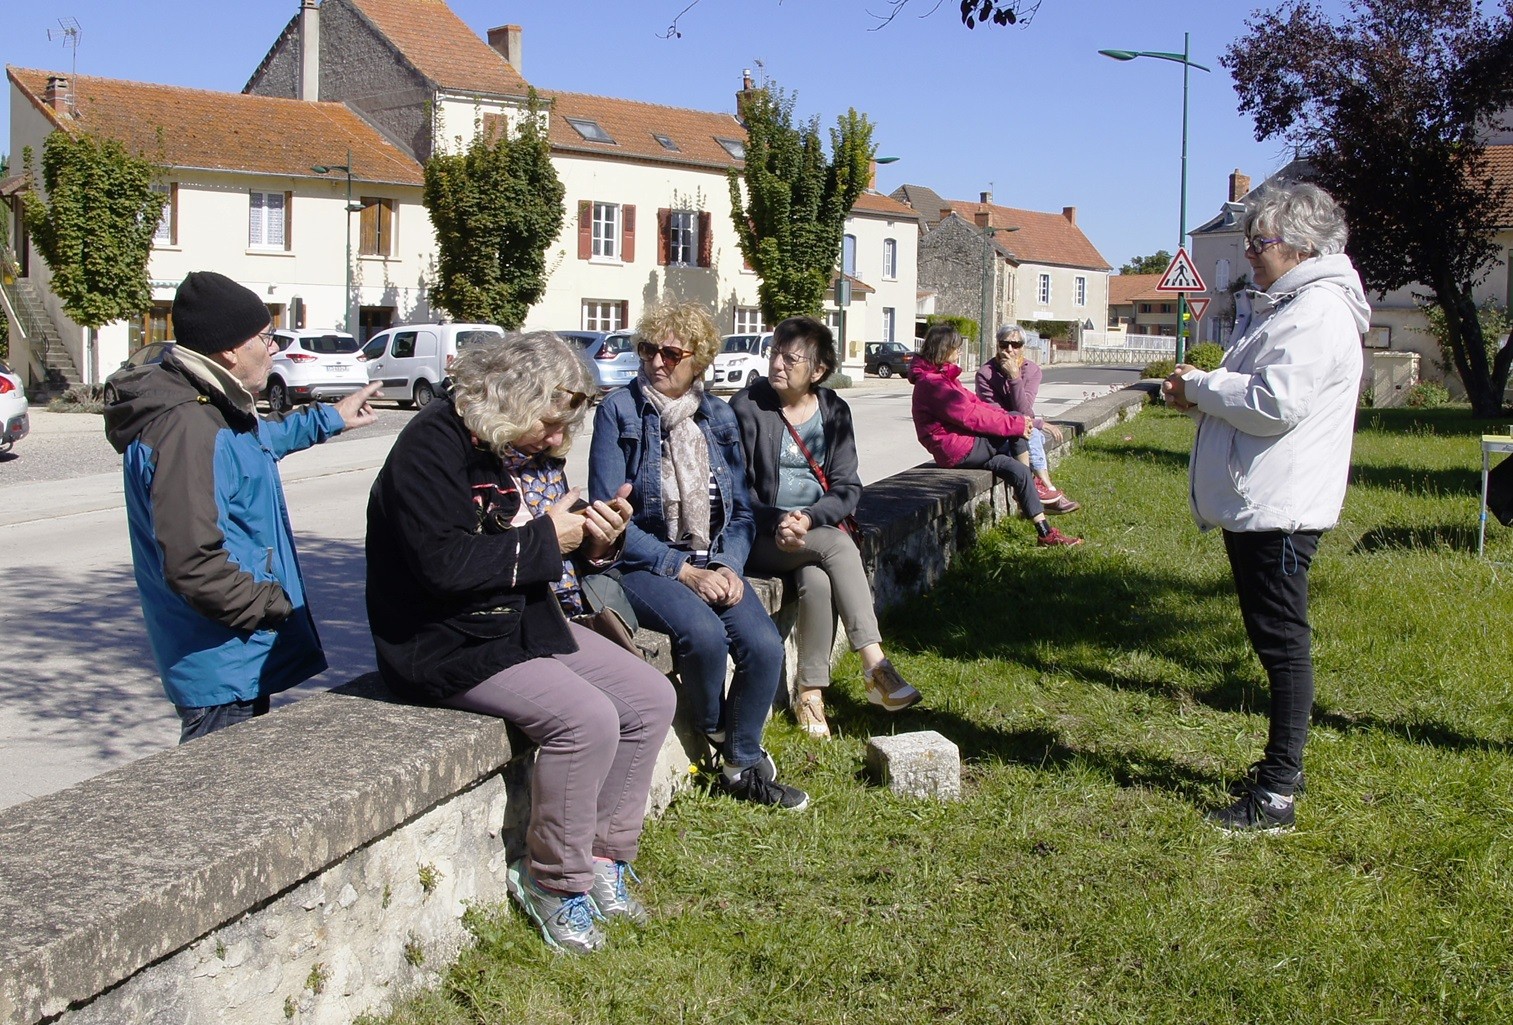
(221, 590)
(627, 446)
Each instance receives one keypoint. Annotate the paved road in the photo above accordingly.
(78, 694)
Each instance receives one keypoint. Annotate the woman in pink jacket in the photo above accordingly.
(961, 431)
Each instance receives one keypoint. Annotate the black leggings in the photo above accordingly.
(1001, 460)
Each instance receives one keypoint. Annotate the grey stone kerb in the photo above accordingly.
(141, 869)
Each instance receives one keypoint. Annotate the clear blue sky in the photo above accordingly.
(1033, 113)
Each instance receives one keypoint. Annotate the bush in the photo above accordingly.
(1206, 356)
(1162, 368)
(837, 381)
(965, 326)
(1427, 395)
(80, 398)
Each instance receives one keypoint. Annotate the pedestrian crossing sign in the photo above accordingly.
(1181, 275)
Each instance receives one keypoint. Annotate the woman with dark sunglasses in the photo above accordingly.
(475, 545)
(802, 470)
(687, 543)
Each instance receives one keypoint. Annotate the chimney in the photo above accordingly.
(747, 87)
(1070, 213)
(309, 50)
(986, 197)
(872, 176)
(980, 218)
(1239, 185)
(945, 212)
(507, 40)
(56, 94)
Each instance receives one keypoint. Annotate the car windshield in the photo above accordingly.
(329, 345)
(741, 343)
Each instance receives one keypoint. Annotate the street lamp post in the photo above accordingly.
(1185, 59)
(346, 300)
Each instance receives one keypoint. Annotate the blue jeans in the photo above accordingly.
(702, 635)
(199, 721)
(1037, 449)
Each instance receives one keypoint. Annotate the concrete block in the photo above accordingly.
(922, 764)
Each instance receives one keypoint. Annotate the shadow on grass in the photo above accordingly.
(1418, 732)
(1415, 480)
(1445, 422)
(1457, 537)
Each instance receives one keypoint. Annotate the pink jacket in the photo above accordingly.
(948, 419)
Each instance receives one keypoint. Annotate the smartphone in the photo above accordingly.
(578, 506)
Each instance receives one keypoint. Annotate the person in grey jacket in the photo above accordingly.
(790, 426)
(1271, 457)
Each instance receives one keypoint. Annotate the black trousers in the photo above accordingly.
(1271, 577)
(1000, 459)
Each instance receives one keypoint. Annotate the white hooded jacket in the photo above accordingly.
(1276, 420)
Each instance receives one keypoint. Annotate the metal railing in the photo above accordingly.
(20, 313)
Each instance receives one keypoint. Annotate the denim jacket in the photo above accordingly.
(627, 446)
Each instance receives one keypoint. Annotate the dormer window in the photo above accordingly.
(590, 130)
(667, 143)
(735, 147)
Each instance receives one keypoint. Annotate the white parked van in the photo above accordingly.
(412, 360)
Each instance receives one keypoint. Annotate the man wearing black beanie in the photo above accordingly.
(221, 590)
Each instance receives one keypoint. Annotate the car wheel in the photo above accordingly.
(884, 370)
(753, 379)
(424, 393)
(278, 396)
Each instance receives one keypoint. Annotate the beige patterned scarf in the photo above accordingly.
(685, 465)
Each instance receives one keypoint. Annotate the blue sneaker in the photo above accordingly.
(567, 921)
(610, 894)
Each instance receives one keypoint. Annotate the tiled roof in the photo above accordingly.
(633, 125)
(1042, 237)
(442, 47)
(224, 131)
(1126, 288)
(1500, 163)
(876, 203)
(924, 200)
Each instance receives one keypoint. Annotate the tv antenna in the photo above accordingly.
(69, 31)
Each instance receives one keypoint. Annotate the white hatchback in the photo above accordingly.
(15, 416)
(742, 360)
(313, 365)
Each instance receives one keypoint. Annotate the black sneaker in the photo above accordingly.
(1252, 777)
(750, 786)
(1258, 811)
(766, 767)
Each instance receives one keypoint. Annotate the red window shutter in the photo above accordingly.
(288, 221)
(628, 233)
(625, 313)
(585, 230)
(664, 236)
(706, 239)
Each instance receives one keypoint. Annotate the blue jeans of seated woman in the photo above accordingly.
(702, 636)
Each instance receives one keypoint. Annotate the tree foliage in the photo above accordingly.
(790, 216)
(93, 223)
(1156, 263)
(1391, 106)
(496, 206)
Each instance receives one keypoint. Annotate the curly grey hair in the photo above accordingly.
(502, 388)
(1303, 216)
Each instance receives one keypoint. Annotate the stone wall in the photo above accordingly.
(315, 863)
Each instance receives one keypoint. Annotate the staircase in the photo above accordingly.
(51, 360)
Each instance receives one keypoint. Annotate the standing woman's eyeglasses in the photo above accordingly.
(671, 356)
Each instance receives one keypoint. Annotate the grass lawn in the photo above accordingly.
(1102, 698)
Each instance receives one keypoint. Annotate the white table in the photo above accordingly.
(1489, 443)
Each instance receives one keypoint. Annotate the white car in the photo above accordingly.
(742, 360)
(313, 365)
(411, 361)
(14, 409)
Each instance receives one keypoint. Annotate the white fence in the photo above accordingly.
(1126, 349)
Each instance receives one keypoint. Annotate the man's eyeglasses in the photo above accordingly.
(789, 359)
(671, 356)
(267, 338)
(1258, 246)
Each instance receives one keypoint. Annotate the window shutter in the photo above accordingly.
(624, 313)
(385, 227)
(288, 221)
(367, 232)
(173, 213)
(706, 239)
(664, 236)
(585, 230)
(628, 233)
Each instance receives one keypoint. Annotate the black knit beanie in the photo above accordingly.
(212, 313)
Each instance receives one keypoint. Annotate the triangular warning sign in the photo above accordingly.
(1197, 307)
(1181, 275)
